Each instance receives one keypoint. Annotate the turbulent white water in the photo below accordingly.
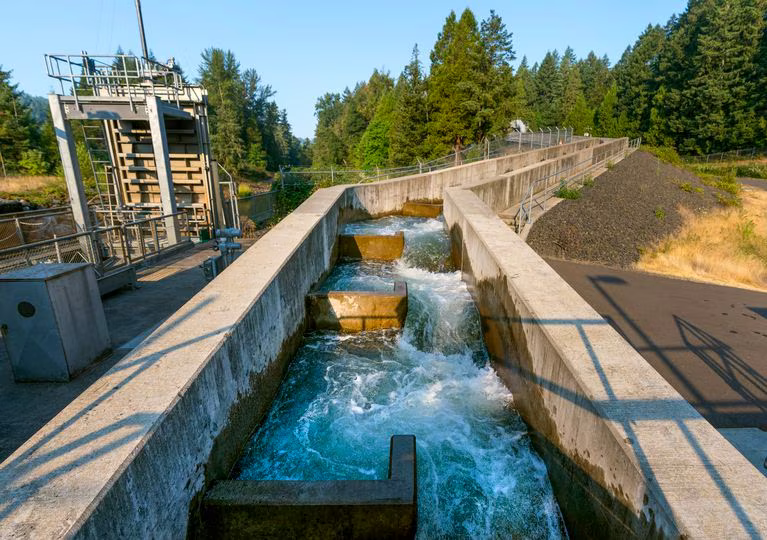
(346, 394)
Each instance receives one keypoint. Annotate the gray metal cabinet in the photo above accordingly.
(52, 321)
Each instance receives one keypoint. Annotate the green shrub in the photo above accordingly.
(588, 181)
(727, 200)
(244, 190)
(664, 153)
(752, 170)
(660, 213)
(689, 188)
(33, 162)
(565, 192)
(610, 165)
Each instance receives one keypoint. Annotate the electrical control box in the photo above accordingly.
(52, 321)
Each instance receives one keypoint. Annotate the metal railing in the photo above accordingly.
(107, 248)
(537, 196)
(487, 149)
(115, 75)
(233, 220)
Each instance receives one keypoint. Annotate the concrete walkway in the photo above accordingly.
(708, 341)
(131, 316)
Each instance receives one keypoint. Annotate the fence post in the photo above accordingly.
(332, 176)
(282, 178)
(19, 232)
(58, 249)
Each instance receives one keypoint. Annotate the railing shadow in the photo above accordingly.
(24, 465)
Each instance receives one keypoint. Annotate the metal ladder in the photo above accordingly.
(101, 165)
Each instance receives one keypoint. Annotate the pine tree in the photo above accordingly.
(596, 78)
(373, 148)
(18, 132)
(409, 120)
(636, 77)
(520, 104)
(457, 85)
(220, 74)
(548, 90)
(499, 54)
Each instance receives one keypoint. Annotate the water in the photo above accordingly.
(344, 396)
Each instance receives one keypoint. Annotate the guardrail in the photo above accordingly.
(107, 248)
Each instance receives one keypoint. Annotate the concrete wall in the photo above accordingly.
(377, 247)
(626, 454)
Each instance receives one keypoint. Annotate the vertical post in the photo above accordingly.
(519, 145)
(19, 232)
(332, 176)
(162, 166)
(2, 164)
(58, 249)
(141, 29)
(72, 174)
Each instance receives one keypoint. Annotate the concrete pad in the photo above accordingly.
(355, 311)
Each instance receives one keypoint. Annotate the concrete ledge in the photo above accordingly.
(351, 311)
(326, 509)
(371, 246)
(628, 457)
(425, 209)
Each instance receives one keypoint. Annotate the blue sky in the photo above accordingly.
(304, 49)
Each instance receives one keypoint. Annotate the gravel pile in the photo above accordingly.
(629, 207)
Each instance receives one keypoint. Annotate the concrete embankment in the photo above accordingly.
(626, 454)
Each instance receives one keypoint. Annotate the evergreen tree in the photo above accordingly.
(457, 86)
(520, 104)
(636, 77)
(220, 74)
(407, 133)
(18, 132)
(548, 90)
(373, 148)
(596, 78)
(499, 54)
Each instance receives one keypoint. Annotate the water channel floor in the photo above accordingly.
(345, 395)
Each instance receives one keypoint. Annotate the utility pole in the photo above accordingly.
(141, 30)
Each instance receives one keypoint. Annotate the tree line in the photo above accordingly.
(695, 83)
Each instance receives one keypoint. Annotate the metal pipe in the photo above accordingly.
(141, 29)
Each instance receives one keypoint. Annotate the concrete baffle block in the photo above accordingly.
(427, 209)
(357, 311)
(376, 247)
(52, 321)
(321, 509)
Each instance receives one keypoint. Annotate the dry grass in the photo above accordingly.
(22, 184)
(726, 246)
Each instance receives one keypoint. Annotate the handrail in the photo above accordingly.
(95, 230)
(525, 214)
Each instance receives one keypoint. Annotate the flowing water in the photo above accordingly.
(345, 395)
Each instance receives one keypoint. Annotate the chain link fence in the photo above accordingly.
(743, 154)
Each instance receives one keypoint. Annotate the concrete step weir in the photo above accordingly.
(358, 311)
(384, 508)
(376, 247)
